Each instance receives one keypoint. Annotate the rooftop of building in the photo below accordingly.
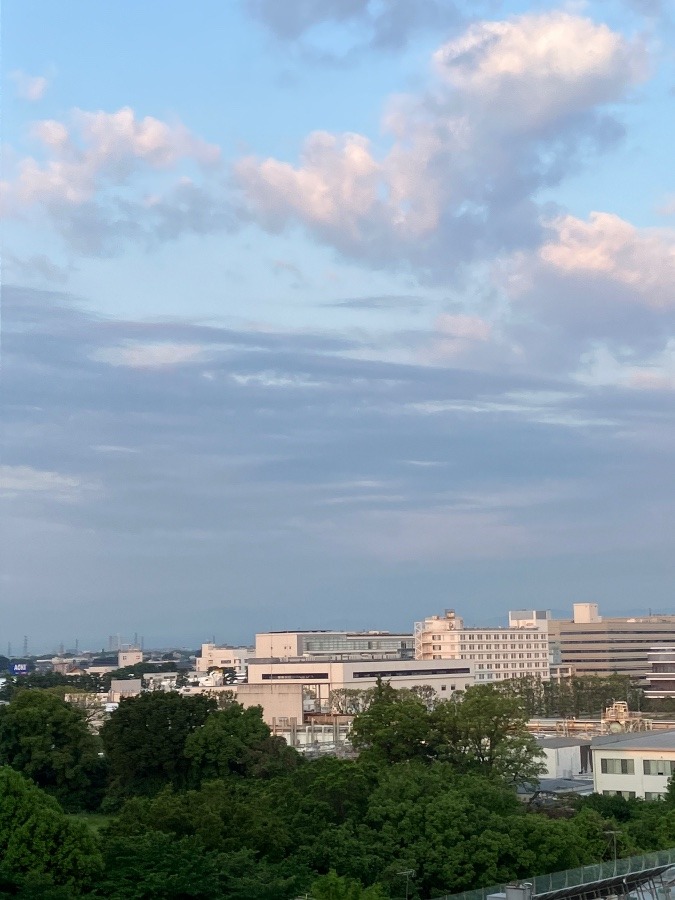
(394, 634)
(648, 740)
(554, 743)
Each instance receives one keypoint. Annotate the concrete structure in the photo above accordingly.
(129, 657)
(334, 645)
(319, 678)
(160, 681)
(634, 765)
(566, 757)
(282, 702)
(595, 645)
(497, 653)
(213, 656)
(122, 688)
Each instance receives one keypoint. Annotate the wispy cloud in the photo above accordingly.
(29, 87)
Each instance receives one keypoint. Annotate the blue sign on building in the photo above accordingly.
(19, 668)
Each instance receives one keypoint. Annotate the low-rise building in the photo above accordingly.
(320, 678)
(634, 765)
(121, 688)
(566, 757)
(130, 656)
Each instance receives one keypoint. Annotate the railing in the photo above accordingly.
(555, 881)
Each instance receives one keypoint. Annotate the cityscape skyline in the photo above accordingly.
(335, 316)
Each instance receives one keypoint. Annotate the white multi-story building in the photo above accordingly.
(496, 653)
(634, 765)
(214, 657)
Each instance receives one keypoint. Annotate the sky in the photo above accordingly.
(334, 314)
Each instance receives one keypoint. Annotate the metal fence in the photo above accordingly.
(555, 881)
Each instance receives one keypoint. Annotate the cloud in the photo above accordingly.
(380, 23)
(287, 472)
(604, 366)
(515, 106)
(87, 180)
(29, 87)
(25, 479)
(137, 355)
(596, 299)
(534, 71)
(608, 247)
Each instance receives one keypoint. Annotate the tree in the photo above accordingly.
(484, 732)
(395, 727)
(334, 887)
(153, 864)
(39, 845)
(144, 741)
(236, 741)
(487, 732)
(48, 740)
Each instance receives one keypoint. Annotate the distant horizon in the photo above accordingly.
(196, 646)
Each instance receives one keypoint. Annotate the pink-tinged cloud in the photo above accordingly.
(512, 106)
(536, 68)
(608, 247)
(100, 150)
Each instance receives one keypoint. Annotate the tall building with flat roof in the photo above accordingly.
(599, 645)
(497, 653)
(334, 645)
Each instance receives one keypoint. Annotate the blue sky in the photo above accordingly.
(334, 313)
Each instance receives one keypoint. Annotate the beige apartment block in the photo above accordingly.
(320, 677)
(496, 653)
(129, 657)
(213, 656)
(334, 645)
(597, 645)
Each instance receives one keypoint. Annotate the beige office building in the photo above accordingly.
(334, 645)
(597, 645)
(213, 656)
(497, 653)
(320, 677)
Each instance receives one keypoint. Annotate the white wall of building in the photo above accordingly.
(635, 766)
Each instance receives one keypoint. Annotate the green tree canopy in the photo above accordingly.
(47, 740)
(484, 732)
(144, 741)
(40, 846)
(236, 741)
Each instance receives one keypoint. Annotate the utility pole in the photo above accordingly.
(409, 873)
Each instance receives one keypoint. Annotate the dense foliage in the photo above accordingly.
(202, 802)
